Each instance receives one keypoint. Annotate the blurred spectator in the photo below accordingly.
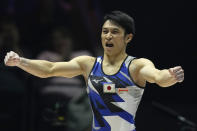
(62, 92)
(12, 82)
(9, 38)
(60, 46)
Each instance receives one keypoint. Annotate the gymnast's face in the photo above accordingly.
(113, 38)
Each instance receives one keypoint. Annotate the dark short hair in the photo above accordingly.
(121, 19)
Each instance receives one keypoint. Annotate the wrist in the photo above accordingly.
(22, 62)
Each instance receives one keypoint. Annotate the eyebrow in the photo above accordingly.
(110, 28)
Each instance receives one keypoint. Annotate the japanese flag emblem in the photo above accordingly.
(109, 88)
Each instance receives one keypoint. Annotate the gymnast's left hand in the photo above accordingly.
(178, 73)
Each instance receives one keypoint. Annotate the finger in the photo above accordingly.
(180, 72)
(7, 63)
(6, 58)
(15, 56)
(176, 69)
(11, 54)
(16, 60)
(7, 55)
(180, 78)
(171, 71)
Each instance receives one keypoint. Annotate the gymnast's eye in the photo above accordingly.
(105, 31)
(115, 32)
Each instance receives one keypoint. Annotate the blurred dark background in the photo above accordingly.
(59, 30)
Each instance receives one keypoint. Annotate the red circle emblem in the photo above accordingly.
(109, 88)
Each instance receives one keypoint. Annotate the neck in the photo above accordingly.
(113, 59)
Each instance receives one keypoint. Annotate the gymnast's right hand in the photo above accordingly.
(12, 59)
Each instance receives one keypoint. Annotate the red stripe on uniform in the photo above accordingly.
(122, 90)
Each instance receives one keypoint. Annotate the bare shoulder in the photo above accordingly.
(134, 70)
(141, 62)
(86, 63)
(84, 59)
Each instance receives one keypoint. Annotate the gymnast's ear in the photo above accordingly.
(129, 37)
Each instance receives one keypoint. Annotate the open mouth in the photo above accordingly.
(109, 45)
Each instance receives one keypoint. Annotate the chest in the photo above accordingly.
(110, 69)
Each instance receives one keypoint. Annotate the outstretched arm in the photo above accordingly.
(164, 78)
(43, 69)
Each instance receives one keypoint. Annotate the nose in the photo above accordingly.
(109, 36)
